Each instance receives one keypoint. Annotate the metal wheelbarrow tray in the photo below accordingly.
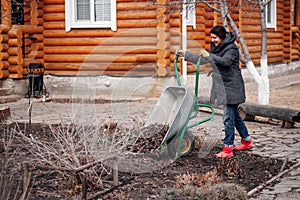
(175, 108)
(172, 109)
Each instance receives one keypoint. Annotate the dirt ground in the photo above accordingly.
(245, 169)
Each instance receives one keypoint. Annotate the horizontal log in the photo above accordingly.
(14, 51)
(209, 15)
(247, 35)
(196, 36)
(4, 28)
(135, 23)
(174, 22)
(270, 48)
(249, 28)
(36, 54)
(14, 42)
(31, 29)
(15, 60)
(55, 25)
(195, 44)
(4, 47)
(4, 56)
(4, 65)
(52, 2)
(15, 75)
(135, 5)
(200, 27)
(77, 33)
(209, 23)
(100, 41)
(251, 15)
(4, 73)
(4, 38)
(54, 17)
(200, 11)
(99, 66)
(141, 14)
(130, 49)
(100, 58)
(274, 54)
(275, 59)
(14, 69)
(274, 112)
(252, 42)
(14, 32)
(60, 8)
(200, 19)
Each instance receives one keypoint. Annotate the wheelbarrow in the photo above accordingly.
(175, 108)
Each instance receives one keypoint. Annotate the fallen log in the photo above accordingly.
(284, 114)
(248, 111)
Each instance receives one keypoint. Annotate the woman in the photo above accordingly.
(224, 58)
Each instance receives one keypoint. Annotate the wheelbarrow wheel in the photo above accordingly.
(187, 145)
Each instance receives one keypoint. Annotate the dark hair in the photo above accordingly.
(219, 31)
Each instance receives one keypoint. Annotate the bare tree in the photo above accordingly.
(261, 79)
(224, 9)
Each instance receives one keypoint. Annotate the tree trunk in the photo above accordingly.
(263, 87)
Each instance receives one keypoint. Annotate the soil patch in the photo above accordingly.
(244, 169)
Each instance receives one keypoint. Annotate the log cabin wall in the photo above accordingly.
(4, 65)
(143, 45)
(21, 44)
(131, 50)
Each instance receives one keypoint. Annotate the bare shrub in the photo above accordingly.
(199, 180)
(77, 152)
(214, 192)
(10, 182)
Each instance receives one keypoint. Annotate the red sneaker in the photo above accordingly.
(244, 145)
(225, 153)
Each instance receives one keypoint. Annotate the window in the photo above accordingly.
(189, 12)
(90, 14)
(271, 14)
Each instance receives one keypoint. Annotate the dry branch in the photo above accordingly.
(260, 187)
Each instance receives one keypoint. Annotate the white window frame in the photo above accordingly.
(70, 17)
(189, 13)
(271, 22)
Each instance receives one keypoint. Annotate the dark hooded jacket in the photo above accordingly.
(224, 60)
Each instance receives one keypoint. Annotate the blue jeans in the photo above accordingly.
(231, 120)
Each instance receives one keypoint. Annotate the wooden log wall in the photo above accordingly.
(128, 51)
(287, 34)
(17, 50)
(15, 53)
(251, 30)
(33, 34)
(4, 65)
(175, 38)
(163, 36)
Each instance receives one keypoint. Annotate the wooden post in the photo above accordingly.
(115, 169)
(4, 113)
